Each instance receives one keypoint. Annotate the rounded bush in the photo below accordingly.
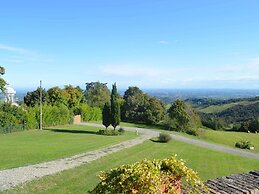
(164, 137)
(243, 144)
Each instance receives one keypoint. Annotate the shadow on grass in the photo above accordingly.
(148, 126)
(157, 141)
(71, 131)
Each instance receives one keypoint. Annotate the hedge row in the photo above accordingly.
(13, 118)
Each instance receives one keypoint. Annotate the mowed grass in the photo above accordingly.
(228, 138)
(34, 146)
(210, 164)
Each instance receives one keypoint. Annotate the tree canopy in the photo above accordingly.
(183, 116)
(33, 98)
(139, 107)
(58, 96)
(74, 96)
(97, 94)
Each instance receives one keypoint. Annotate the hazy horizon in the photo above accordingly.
(149, 44)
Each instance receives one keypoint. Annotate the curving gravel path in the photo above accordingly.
(201, 143)
(10, 178)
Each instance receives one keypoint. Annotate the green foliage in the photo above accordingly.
(213, 122)
(106, 115)
(238, 113)
(74, 96)
(2, 81)
(33, 98)
(8, 123)
(58, 96)
(140, 108)
(90, 113)
(149, 176)
(97, 94)
(250, 126)
(115, 107)
(31, 118)
(56, 115)
(108, 132)
(196, 132)
(164, 137)
(12, 118)
(178, 113)
(243, 144)
(183, 117)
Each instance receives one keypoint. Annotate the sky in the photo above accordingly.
(144, 43)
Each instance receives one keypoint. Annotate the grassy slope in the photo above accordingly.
(28, 147)
(209, 164)
(230, 138)
(219, 108)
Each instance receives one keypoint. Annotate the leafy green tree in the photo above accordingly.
(57, 96)
(139, 107)
(33, 98)
(2, 81)
(133, 107)
(106, 113)
(178, 113)
(74, 96)
(115, 107)
(155, 111)
(97, 94)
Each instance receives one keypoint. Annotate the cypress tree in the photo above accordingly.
(106, 113)
(115, 107)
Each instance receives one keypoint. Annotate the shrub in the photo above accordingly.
(108, 132)
(149, 176)
(164, 137)
(8, 122)
(121, 130)
(243, 144)
(196, 132)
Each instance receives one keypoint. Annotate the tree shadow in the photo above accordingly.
(71, 131)
(157, 141)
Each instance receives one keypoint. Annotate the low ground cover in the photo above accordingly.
(209, 164)
(34, 146)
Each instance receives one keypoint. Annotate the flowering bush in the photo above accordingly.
(146, 177)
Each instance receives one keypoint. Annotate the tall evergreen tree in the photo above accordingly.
(115, 107)
(106, 114)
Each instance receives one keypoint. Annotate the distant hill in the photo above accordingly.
(231, 111)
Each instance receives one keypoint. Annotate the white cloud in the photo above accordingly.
(163, 42)
(12, 49)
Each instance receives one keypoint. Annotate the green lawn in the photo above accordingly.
(209, 164)
(229, 138)
(34, 146)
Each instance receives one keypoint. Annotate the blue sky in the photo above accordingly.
(150, 44)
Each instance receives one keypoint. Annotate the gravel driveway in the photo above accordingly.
(13, 177)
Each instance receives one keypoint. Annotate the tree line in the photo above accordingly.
(96, 102)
